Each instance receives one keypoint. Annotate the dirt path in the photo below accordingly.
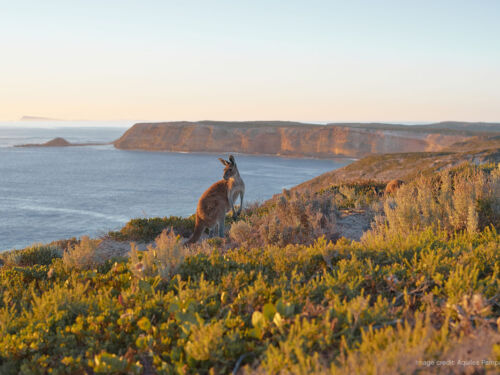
(352, 224)
(109, 248)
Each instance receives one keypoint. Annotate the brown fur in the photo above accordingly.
(392, 186)
(217, 200)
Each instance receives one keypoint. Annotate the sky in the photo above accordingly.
(322, 61)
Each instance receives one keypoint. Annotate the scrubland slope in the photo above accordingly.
(408, 165)
(284, 292)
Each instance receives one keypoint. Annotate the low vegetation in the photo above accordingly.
(277, 295)
(290, 219)
(147, 229)
(407, 166)
(83, 255)
(465, 198)
(33, 255)
(163, 259)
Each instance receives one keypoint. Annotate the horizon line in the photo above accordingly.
(319, 122)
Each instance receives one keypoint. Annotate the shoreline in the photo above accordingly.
(340, 157)
(236, 153)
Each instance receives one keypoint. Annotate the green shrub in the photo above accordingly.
(65, 244)
(163, 259)
(466, 198)
(36, 254)
(83, 255)
(358, 194)
(293, 219)
(60, 302)
(205, 342)
(147, 229)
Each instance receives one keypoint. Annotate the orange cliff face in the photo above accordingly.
(283, 138)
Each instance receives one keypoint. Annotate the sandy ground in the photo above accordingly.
(352, 224)
(109, 248)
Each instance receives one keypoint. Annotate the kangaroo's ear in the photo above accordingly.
(224, 162)
(231, 159)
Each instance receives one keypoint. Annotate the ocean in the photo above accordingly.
(48, 194)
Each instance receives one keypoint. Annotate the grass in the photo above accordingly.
(409, 293)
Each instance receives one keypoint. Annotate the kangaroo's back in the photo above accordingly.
(213, 203)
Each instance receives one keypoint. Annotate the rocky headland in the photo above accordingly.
(299, 139)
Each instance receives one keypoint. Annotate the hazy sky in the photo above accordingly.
(248, 60)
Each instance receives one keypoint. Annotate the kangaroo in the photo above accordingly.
(392, 186)
(219, 199)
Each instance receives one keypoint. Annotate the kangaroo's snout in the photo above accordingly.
(228, 173)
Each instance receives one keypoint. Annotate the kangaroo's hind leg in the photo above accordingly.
(231, 202)
(221, 227)
(241, 204)
(212, 232)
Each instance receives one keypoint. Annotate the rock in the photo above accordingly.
(56, 142)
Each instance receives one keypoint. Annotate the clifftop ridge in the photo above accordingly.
(298, 139)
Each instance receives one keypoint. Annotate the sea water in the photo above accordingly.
(51, 193)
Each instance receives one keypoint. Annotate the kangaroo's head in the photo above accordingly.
(230, 169)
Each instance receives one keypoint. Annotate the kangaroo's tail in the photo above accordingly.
(198, 230)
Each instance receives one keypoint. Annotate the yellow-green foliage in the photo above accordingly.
(36, 254)
(345, 308)
(390, 304)
(206, 342)
(148, 229)
(293, 218)
(360, 194)
(163, 259)
(83, 255)
(466, 198)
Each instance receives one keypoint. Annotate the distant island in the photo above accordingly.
(297, 139)
(59, 142)
(38, 118)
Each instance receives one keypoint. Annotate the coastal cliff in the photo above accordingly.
(289, 139)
